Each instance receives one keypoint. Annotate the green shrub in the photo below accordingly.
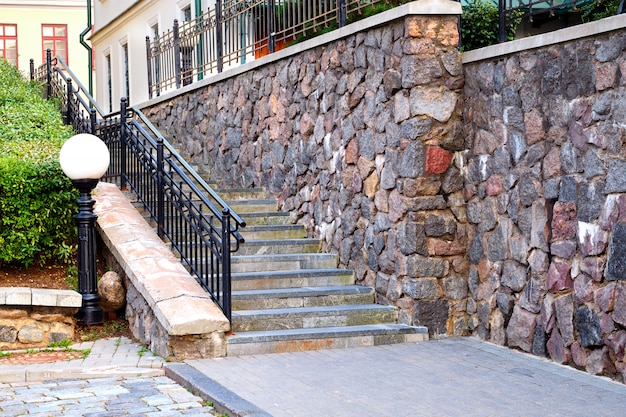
(480, 23)
(37, 201)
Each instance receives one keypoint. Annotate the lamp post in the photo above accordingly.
(84, 159)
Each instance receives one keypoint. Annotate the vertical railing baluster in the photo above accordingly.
(123, 141)
(32, 69)
(92, 121)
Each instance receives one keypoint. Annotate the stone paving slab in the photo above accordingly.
(107, 357)
(102, 397)
(445, 378)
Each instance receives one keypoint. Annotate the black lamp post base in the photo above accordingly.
(90, 313)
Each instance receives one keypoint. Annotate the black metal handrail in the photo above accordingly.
(188, 213)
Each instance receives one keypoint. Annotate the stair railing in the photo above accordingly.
(188, 213)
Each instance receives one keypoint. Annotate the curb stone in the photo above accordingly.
(223, 399)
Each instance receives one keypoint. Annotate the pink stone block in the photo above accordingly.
(437, 160)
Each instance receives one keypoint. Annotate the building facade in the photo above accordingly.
(119, 42)
(29, 27)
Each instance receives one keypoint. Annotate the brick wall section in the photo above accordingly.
(360, 139)
(545, 186)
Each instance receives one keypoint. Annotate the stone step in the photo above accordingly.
(278, 341)
(291, 279)
(269, 247)
(312, 317)
(279, 231)
(252, 263)
(302, 297)
(236, 194)
(266, 218)
(254, 206)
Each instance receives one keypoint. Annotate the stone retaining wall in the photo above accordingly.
(166, 308)
(360, 139)
(545, 184)
(34, 318)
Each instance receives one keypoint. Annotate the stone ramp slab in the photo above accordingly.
(440, 378)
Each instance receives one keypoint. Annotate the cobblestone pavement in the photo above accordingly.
(101, 397)
(115, 377)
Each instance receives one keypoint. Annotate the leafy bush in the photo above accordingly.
(479, 25)
(37, 201)
(599, 9)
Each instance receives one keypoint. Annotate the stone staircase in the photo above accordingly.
(287, 296)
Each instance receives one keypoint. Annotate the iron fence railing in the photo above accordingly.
(511, 11)
(238, 31)
(188, 213)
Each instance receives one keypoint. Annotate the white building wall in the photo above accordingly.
(125, 21)
(29, 15)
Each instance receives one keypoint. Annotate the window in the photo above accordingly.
(187, 13)
(54, 37)
(109, 82)
(8, 42)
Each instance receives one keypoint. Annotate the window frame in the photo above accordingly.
(54, 39)
(5, 37)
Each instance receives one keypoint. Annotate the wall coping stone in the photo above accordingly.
(22, 296)
(608, 24)
(419, 7)
(180, 304)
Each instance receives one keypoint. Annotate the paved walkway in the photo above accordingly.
(447, 378)
(117, 378)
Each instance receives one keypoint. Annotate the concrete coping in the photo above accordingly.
(43, 297)
(177, 300)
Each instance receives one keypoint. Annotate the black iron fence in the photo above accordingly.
(187, 212)
(238, 31)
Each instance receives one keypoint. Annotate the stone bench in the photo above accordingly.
(165, 306)
(35, 317)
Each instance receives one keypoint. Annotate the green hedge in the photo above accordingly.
(37, 201)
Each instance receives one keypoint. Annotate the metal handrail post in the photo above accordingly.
(342, 13)
(123, 143)
(149, 59)
(502, 20)
(218, 35)
(226, 284)
(271, 42)
(160, 193)
(92, 120)
(32, 69)
(48, 73)
(177, 60)
(68, 110)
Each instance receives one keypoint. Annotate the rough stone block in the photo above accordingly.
(556, 348)
(521, 329)
(616, 260)
(564, 224)
(588, 326)
(564, 309)
(559, 277)
(433, 315)
(605, 297)
(592, 240)
(437, 160)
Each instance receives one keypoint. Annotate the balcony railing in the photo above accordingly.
(188, 214)
(239, 31)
